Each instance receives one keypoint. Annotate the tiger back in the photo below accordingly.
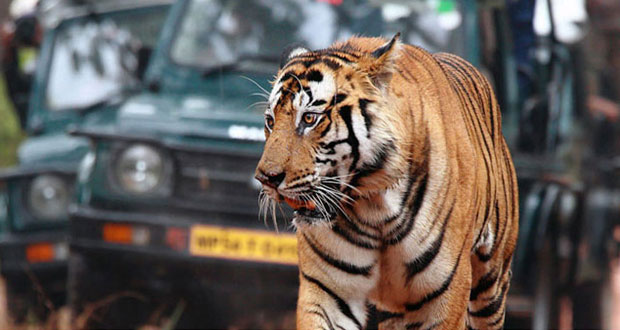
(404, 191)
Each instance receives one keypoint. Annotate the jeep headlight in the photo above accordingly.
(48, 197)
(141, 169)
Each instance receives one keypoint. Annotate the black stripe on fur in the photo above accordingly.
(342, 305)
(339, 264)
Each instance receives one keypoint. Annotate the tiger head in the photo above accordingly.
(328, 139)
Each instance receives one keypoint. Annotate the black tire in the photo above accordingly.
(546, 303)
(597, 296)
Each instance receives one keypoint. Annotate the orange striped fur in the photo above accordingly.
(401, 153)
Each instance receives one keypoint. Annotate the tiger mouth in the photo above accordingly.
(297, 204)
(306, 209)
(312, 215)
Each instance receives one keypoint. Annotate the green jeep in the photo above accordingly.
(89, 62)
(167, 224)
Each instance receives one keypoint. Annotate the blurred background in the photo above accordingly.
(129, 133)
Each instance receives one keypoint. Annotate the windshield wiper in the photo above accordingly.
(239, 64)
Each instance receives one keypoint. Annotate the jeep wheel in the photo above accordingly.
(546, 299)
(597, 296)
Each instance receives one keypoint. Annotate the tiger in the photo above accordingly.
(403, 188)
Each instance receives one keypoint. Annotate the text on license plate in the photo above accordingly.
(253, 245)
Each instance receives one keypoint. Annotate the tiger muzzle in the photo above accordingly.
(270, 178)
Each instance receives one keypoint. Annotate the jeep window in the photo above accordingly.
(95, 60)
(216, 33)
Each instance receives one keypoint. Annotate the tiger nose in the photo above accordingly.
(272, 179)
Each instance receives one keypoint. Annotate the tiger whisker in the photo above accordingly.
(280, 208)
(348, 199)
(334, 202)
(327, 199)
(335, 179)
(260, 203)
(289, 90)
(340, 182)
(337, 195)
(323, 202)
(301, 86)
(340, 192)
(261, 95)
(340, 176)
(335, 190)
(255, 104)
(319, 203)
(258, 103)
(273, 216)
(328, 196)
(256, 84)
(264, 201)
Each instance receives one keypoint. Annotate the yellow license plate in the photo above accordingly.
(252, 245)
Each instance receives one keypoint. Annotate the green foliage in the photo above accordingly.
(10, 132)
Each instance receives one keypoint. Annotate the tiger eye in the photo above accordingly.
(309, 118)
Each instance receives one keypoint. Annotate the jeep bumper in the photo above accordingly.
(38, 252)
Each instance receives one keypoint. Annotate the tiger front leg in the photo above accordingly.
(319, 307)
(335, 280)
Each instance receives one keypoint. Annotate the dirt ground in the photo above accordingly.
(61, 319)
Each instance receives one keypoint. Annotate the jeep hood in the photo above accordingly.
(52, 149)
(196, 116)
(56, 147)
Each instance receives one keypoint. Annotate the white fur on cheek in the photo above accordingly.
(275, 95)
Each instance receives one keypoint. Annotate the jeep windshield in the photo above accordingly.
(95, 58)
(225, 35)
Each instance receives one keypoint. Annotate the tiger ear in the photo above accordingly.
(291, 51)
(380, 64)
